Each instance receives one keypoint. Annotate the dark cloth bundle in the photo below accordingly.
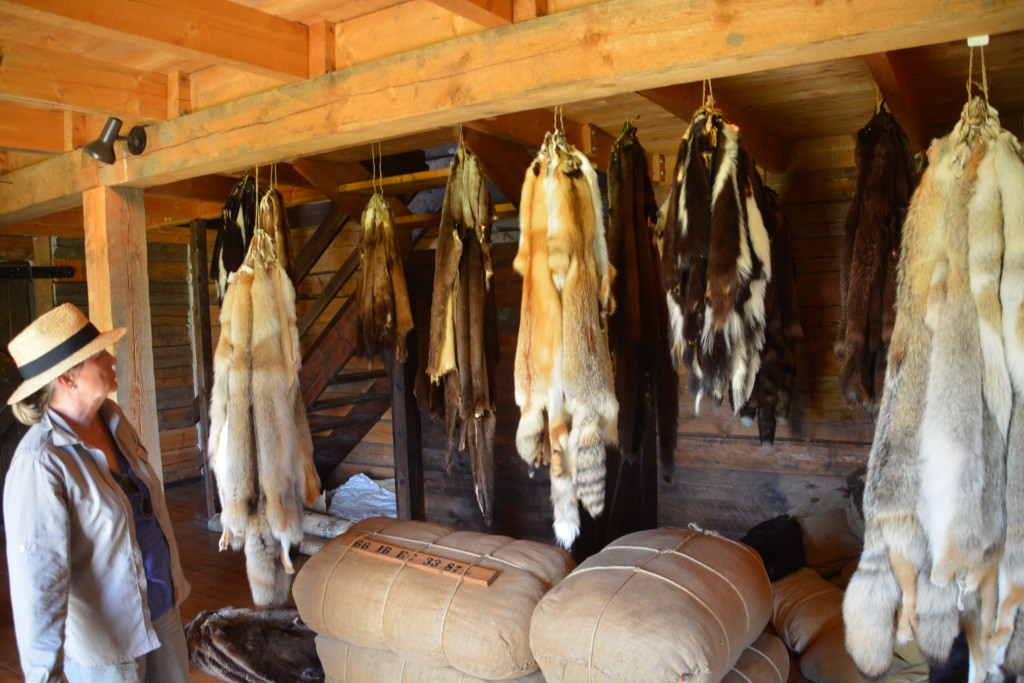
(253, 646)
(871, 249)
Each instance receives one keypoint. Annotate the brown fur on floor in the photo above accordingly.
(253, 646)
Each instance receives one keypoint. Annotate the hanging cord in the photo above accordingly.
(984, 75)
(970, 75)
(559, 120)
(708, 95)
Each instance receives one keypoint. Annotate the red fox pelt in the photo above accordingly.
(563, 377)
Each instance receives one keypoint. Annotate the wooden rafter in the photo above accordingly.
(890, 74)
(467, 78)
(210, 31)
(683, 100)
(36, 76)
(529, 127)
(503, 162)
(45, 134)
(488, 13)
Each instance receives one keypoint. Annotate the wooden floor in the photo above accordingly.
(218, 579)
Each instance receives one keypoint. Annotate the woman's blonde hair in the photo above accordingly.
(30, 411)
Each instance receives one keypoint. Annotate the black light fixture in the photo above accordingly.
(102, 148)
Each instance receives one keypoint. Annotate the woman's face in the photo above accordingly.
(96, 378)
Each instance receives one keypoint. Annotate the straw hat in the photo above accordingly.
(53, 344)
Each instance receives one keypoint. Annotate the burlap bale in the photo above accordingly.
(432, 620)
(766, 660)
(659, 605)
(346, 663)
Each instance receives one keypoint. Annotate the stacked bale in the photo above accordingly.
(433, 620)
(665, 604)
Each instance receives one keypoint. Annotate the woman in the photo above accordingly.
(94, 569)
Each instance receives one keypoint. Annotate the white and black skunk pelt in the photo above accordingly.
(716, 262)
(944, 498)
(237, 225)
(261, 450)
(646, 381)
(773, 387)
(868, 262)
(463, 347)
(384, 314)
(563, 374)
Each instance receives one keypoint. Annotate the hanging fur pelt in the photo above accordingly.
(944, 502)
(385, 318)
(716, 263)
(463, 324)
(769, 401)
(646, 382)
(563, 376)
(260, 447)
(238, 222)
(867, 267)
(274, 220)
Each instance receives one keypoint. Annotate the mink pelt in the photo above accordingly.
(253, 646)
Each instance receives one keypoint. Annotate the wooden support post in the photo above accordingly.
(42, 255)
(117, 276)
(202, 356)
(405, 427)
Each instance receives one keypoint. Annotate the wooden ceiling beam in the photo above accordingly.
(213, 31)
(590, 52)
(890, 73)
(683, 100)
(31, 129)
(45, 77)
(487, 13)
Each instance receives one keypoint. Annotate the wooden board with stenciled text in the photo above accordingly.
(427, 562)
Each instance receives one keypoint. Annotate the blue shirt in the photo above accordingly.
(156, 555)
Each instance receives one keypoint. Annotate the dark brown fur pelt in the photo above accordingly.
(646, 383)
(234, 232)
(884, 184)
(253, 646)
(385, 316)
(274, 220)
(463, 342)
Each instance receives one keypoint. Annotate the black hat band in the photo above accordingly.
(69, 346)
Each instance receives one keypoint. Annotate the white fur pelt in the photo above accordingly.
(563, 377)
(944, 500)
(260, 445)
(232, 456)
